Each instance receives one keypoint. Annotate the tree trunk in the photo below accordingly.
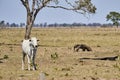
(29, 25)
(28, 31)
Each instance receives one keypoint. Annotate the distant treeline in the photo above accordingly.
(4, 24)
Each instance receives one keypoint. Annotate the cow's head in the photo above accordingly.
(33, 42)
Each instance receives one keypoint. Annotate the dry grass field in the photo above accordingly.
(105, 42)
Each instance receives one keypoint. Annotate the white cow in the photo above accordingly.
(29, 48)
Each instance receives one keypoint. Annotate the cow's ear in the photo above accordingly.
(30, 40)
(38, 40)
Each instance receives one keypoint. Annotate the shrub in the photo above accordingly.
(54, 56)
(5, 57)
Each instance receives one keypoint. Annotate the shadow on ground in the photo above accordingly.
(103, 58)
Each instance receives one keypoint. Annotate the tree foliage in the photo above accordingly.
(34, 6)
(114, 17)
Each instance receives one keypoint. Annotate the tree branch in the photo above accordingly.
(44, 3)
(72, 9)
(23, 2)
(33, 6)
(59, 7)
(69, 3)
(26, 5)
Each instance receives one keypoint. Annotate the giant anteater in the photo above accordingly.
(84, 47)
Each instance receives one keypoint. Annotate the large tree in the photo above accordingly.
(34, 6)
(114, 17)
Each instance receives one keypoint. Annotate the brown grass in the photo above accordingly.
(68, 66)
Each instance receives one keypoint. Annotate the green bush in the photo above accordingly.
(54, 56)
(5, 57)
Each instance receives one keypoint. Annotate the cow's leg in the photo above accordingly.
(33, 62)
(29, 62)
(23, 61)
(34, 66)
